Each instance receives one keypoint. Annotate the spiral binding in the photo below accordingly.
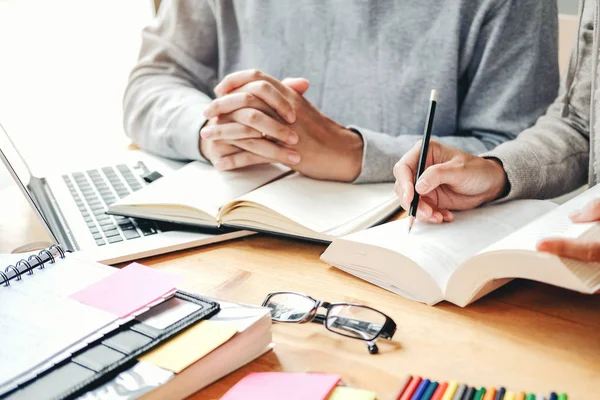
(29, 265)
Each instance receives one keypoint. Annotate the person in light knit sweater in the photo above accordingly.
(559, 154)
(210, 81)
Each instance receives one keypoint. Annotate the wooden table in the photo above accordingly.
(525, 336)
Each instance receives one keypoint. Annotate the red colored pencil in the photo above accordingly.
(439, 392)
(410, 389)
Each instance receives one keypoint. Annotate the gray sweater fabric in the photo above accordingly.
(560, 152)
(371, 64)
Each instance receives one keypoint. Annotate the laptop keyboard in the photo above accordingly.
(94, 190)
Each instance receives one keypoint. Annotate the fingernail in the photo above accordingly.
(575, 214)
(206, 132)
(293, 138)
(217, 88)
(422, 186)
(294, 158)
(433, 220)
(406, 198)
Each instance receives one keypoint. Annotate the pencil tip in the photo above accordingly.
(409, 228)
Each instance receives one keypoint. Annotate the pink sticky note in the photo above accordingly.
(283, 385)
(127, 290)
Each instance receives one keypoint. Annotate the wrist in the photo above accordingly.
(352, 151)
(501, 186)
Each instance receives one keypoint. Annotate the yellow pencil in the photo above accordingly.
(452, 385)
(509, 396)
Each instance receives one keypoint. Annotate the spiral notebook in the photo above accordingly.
(39, 323)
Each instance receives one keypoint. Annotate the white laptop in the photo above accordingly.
(72, 207)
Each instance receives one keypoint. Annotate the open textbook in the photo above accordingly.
(478, 252)
(266, 198)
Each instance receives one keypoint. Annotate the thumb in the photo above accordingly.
(437, 175)
(590, 212)
(299, 85)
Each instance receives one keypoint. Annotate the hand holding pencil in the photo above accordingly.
(432, 180)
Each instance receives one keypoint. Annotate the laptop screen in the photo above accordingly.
(19, 171)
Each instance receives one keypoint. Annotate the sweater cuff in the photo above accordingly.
(379, 156)
(184, 135)
(523, 170)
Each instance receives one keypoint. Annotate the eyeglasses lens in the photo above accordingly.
(289, 307)
(355, 321)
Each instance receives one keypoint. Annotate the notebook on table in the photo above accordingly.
(69, 325)
(480, 251)
(264, 198)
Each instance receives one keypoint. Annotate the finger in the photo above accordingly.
(405, 193)
(238, 79)
(263, 123)
(269, 150)
(248, 95)
(448, 215)
(439, 174)
(589, 213)
(571, 248)
(436, 216)
(239, 160)
(229, 131)
(300, 85)
(222, 106)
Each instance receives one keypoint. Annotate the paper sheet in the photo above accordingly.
(190, 346)
(127, 290)
(282, 385)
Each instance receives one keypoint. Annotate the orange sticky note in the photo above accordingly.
(283, 385)
(190, 345)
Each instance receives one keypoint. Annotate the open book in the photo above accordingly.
(478, 252)
(265, 198)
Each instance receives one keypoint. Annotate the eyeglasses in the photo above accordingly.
(347, 319)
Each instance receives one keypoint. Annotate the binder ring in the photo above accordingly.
(15, 270)
(5, 278)
(39, 260)
(28, 267)
(59, 249)
(50, 255)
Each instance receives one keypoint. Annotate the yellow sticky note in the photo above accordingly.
(190, 346)
(348, 393)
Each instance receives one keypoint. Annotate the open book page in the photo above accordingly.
(558, 224)
(439, 249)
(554, 224)
(38, 321)
(197, 187)
(321, 206)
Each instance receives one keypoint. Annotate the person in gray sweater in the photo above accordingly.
(363, 74)
(559, 154)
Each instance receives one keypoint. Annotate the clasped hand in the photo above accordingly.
(258, 119)
(455, 180)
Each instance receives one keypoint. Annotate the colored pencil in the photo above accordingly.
(460, 391)
(470, 392)
(429, 391)
(562, 396)
(410, 389)
(402, 387)
(420, 389)
(490, 394)
(439, 392)
(521, 396)
(553, 396)
(530, 396)
(540, 397)
(479, 394)
(500, 394)
(449, 395)
(509, 395)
